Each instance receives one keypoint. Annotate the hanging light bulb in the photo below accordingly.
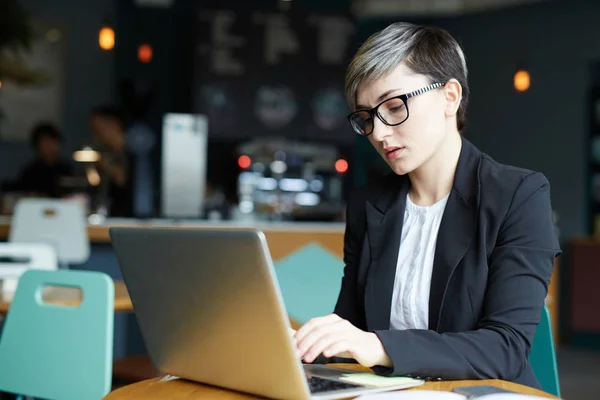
(106, 38)
(522, 80)
(145, 53)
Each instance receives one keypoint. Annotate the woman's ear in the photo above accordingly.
(453, 96)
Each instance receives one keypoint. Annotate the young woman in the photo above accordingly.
(449, 257)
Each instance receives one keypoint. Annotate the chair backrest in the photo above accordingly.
(310, 268)
(60, 223)
(16, 258)
(543, 356)
(57, 351)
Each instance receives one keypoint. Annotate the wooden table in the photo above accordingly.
(72, 297)
(181, 389)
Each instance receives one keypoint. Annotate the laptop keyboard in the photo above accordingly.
(318, 385)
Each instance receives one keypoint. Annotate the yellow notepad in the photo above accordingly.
(380, 381)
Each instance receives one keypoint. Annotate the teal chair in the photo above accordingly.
(543, 356)
(57, 351)
(310, 269)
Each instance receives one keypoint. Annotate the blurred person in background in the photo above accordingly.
(42, 176)
(448, 258)
(114, 167)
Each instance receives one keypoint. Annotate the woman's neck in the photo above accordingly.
(433, 180)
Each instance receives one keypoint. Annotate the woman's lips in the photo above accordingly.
(391, 153)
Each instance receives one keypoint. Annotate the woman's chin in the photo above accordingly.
(400, 167)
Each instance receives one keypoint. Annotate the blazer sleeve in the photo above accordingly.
(520, 267)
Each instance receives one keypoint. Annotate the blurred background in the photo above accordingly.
(233, 112)
(262, 81)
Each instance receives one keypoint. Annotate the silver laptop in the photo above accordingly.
(210, 310)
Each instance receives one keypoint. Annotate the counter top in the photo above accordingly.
(280, 235)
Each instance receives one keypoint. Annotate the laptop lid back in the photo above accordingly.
(209, 308)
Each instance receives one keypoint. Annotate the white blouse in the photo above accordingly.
(410, 299)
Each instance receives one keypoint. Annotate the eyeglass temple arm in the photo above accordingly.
(425, 89)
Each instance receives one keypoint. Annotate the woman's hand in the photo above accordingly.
(333, 336)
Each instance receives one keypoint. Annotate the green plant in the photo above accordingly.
(16, 34)
(15, 31)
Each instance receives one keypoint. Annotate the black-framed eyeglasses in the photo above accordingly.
(392, 111)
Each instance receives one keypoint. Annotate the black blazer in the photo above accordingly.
(493, 261)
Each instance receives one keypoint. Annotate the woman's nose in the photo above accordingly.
(381, 130)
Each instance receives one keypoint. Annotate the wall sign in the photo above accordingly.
(273, 74)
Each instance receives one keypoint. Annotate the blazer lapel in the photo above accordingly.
(385, 217)
(457, 229)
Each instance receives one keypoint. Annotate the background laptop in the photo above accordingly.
(210, 310)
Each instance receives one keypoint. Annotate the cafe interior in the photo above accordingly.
(205, 114)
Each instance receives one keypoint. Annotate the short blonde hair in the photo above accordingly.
(425, 50)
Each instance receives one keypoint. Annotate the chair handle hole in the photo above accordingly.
(15, 260)
(49, 212)
(63, 296)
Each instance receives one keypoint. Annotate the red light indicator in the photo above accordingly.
(341, 166)
(244, 162)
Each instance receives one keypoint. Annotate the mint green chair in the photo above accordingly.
(543, 356)
(310, 279)
(56, 351)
